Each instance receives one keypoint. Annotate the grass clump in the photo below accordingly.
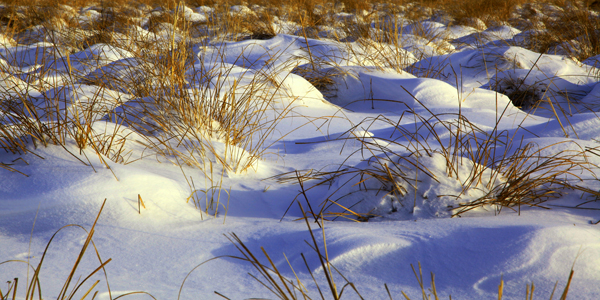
(581, 39)
(520, 93)
(183, 109)
(490, 11)
(486, 170)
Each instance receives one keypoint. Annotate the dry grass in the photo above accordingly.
(72, 288)
(172, 107)
(490, 11)
(60, 115)
(185, 121)
(531, 178)
(509, 173)
(581, 39)
(189, 122)
(227, 124)
(260, 25)
(183, 108)
(284, 288)
(522, 95)
(269, 275)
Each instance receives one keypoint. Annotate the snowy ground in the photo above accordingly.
(366, 115)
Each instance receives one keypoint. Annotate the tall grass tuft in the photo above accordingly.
(508, 173)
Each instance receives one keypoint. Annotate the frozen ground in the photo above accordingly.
(367, 114)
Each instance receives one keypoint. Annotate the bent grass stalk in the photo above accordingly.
(70, 289)
(521, 175)
(195, 120)
(271, 278)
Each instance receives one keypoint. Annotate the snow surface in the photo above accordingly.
(154, 249)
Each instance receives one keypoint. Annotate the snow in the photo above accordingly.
(367, 117)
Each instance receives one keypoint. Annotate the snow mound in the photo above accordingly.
(403, 187)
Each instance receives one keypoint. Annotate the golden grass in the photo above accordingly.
(578, 39)
(220, 129)
(186, 122)
(269, 275)
(182, 125)
(285, 288)
(72, 288)
(488, 10)
(519, 175)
